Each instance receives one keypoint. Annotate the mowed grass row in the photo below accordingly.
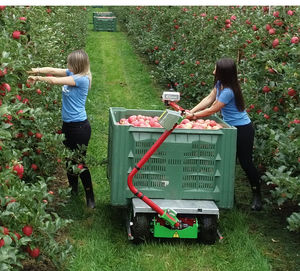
(120, 79)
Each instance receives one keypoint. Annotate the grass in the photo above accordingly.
(99, 236)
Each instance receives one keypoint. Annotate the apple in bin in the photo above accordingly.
(152, 122)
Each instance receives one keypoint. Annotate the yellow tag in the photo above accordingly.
(165, 112)
(176, 235)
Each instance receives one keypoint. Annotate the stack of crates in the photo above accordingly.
(104, 21)
(190, 164)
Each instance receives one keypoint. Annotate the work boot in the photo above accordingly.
(90, 201)
(73, 182)
(256, 204)
(88, 188)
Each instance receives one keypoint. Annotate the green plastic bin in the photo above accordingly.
(105, 24)
(190, 164)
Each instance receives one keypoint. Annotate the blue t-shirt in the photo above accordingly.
(230, 113)
(74, 98)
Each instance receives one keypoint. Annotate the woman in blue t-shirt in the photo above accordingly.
(227, 97)
(76, 82)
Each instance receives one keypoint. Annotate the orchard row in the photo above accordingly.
(31, 147)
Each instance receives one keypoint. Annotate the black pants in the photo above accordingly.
(78, 134)
(245, 140)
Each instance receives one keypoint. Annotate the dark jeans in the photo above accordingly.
(78, 134)
(245, 140)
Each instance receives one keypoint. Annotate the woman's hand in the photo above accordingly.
(32, 79)
(34, 71)
(190, 115)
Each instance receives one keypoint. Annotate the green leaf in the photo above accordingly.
(5, 134)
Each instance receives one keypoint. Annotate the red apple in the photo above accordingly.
(200, 121)
(19, 170)
(34, 167)
(272, 31)
(185, 121)
(34, 253)
(38, 135)
(266, 89)
(278, 22)
(212, 123)
(275, 43)
(5, 87)
(3, 72)
(132, 118)
(271, 70)
(27, 230)
(16, 35)
(136, 123)
(122, 121)
(291, 92)
(268, 27)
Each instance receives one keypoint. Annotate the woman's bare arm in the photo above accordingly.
(67, 80)
(207, 101)
(49, 70)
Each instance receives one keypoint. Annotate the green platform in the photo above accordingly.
(190, 164)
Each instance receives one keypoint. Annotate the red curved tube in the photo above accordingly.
(176, 106)
(139, 165)
(143, 160)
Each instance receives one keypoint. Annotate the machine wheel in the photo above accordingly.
(208, 229)
(141, 228)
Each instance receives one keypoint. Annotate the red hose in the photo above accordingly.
(176, 106)
(139, 165)
(143, 160)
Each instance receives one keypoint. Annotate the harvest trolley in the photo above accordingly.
(177, 179)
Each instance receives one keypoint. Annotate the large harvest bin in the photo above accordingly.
(105, 23)
(190, 164)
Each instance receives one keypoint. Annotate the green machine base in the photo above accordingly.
(162, 231)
